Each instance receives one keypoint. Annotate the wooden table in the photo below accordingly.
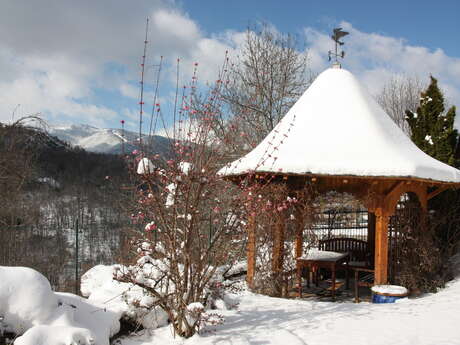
(317, 259)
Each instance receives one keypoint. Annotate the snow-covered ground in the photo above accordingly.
(27, 303)
(433, 319)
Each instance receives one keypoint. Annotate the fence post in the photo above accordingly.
(76, 256)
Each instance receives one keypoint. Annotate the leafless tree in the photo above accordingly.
(399, 94)
(261, 85)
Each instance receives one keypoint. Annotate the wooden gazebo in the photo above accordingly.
(338, 138)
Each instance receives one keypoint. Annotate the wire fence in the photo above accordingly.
(62, 254)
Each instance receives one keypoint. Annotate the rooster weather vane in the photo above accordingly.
(338, 34)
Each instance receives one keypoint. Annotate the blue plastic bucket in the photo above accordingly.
(388, 293)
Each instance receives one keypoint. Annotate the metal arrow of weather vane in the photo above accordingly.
(338, 34)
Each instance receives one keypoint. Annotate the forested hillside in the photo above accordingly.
(49, 191)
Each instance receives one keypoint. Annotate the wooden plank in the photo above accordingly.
(351, 178)
(251, 251)
(394, 187)
(381, 246)
(437, 191)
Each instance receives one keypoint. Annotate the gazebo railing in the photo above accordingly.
(340, 223)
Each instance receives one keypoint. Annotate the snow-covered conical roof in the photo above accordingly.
(337, 128)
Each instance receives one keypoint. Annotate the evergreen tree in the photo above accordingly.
(432, 128)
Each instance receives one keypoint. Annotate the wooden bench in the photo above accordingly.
(358, 250)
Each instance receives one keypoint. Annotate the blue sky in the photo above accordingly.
(78, 61)
(425, 23)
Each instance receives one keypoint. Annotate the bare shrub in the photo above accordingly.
(419, 261)
(191, 220)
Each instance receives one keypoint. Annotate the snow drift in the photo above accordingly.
(42, 317)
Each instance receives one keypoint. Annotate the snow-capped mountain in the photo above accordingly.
(106, 140)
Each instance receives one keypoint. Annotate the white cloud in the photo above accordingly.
(129, 90)
(65, 53)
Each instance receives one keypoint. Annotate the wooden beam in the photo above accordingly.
(394, 187)
(299, 232)
(278, 255)
(381, 246)
(423, 199)
(437, 191)
(251, 251)
(371, 235)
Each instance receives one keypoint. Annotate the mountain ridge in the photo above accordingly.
(108, 140)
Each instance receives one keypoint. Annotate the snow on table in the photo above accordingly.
(322, 255)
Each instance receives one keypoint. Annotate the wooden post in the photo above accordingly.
(381, 246)
(423, 199)
(371, 235)
(299, 233)
(251, 251)
(299, 246)
(278, 254)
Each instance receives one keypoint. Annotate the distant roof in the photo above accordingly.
(337, 128)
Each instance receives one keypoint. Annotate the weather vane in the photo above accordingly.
(338, 34)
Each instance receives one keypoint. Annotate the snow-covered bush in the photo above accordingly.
(191, 218)
(133, 303)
